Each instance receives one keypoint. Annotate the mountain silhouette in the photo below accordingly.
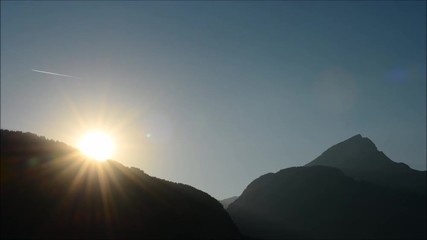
(324, 202)
(49, 190)
(226, 202)
(359, 158)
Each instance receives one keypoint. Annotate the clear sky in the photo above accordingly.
(215, 94)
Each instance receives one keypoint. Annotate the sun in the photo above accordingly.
(97, 145)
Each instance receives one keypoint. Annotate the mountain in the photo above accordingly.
(323, 203)
(226, 202)
(351, 191)
(359, 158)
(49, 190)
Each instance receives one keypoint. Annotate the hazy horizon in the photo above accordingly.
(215, 94)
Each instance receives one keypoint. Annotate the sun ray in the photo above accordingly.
(113, 178)
(79, 177)
(106, 196)
(142, 184)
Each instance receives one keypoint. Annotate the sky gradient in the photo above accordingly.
(215, 94)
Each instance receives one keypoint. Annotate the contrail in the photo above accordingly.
(52, 73)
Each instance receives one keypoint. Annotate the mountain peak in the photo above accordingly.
(358, 142)
(357, 152)
(358, 157)
(355, 148)
(357, 136)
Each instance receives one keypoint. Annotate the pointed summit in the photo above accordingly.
(326, 199)
(357, 136)
(356, 153)
(359, 158)
(357, 143)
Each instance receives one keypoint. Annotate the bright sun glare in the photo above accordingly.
(97, 145)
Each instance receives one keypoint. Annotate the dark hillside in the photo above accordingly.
(323, 203)
(48, 190)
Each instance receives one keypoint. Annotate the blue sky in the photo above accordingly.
(228, 91)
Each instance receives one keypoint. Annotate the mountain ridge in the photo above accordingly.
(321, 202)
(227, 201)
(351, 191)
(49, 190)
(359, 158)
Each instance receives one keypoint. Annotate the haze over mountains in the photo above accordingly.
(226, 202)
(48, 190)
(350, 191)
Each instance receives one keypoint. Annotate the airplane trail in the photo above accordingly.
(52, 73)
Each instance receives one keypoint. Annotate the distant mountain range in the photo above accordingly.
(50, 191)
(351, 191)
(228, 201)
